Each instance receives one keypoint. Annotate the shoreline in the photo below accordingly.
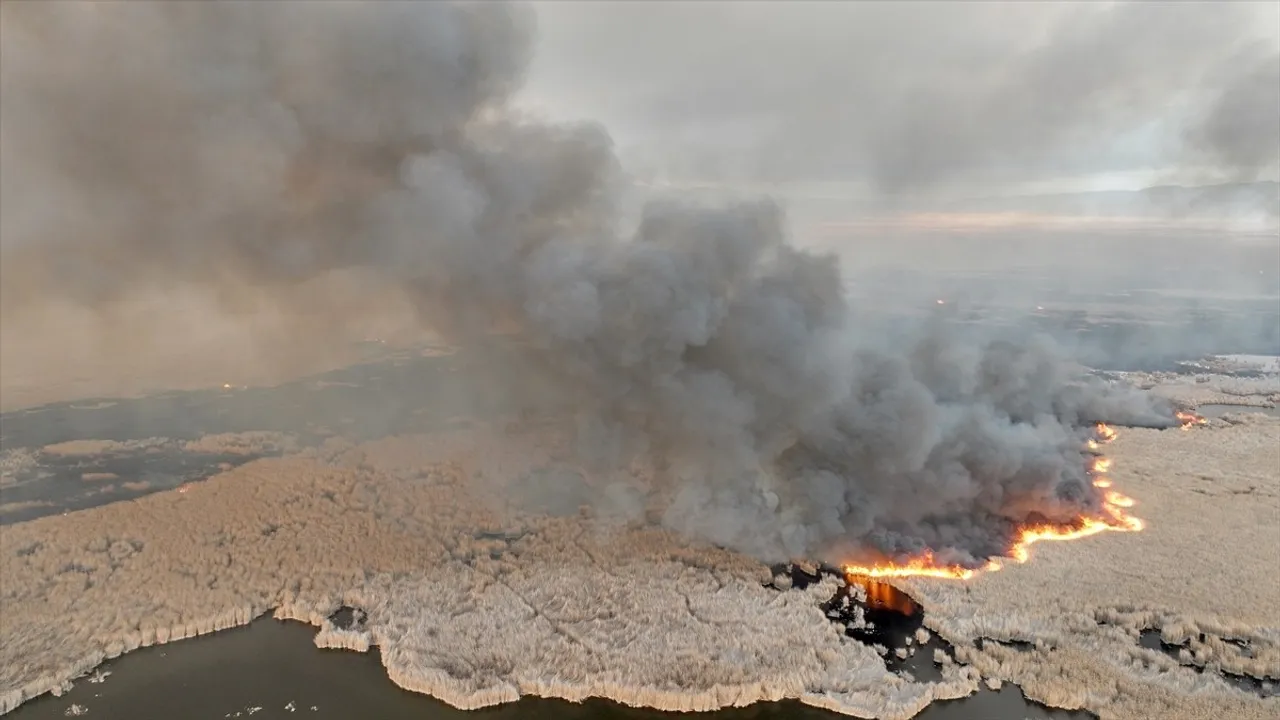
(328, 636)
(975, 667)
(231, 672)
(797, 649)
(439, 685)
(475, 617)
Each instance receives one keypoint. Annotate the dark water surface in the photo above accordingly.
(364, 401)
(407, 393)
(270, 669)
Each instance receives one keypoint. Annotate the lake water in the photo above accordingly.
(270, 669)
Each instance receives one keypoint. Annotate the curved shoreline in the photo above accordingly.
(561, 608)
(439, 685)
(543, 613)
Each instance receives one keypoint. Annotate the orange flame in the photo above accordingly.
(923, 566)
(883, 596)
(1021, 551)
(1118, 500)
(1106, 433)
(1101, 466)
(1188, 420)
(1113, 517)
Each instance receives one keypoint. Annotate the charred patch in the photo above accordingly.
(29, 549)
(348, 618)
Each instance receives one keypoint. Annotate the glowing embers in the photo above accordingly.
(1112, 516)
(1187, 420)
(1028, 536)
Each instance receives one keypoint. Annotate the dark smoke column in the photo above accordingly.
(277, 141)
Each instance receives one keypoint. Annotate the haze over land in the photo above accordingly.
(376, 143)
(957, 100)
(476, 600)
(233, 193)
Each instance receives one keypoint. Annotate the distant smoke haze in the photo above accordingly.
(252, 149)
(924, 97)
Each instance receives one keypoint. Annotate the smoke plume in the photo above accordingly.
(1239, 130)
(263, 145)
(948, 98)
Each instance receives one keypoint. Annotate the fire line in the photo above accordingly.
(1189, 420)
(1113, 517)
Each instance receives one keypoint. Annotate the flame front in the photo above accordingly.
(1118, 500)
(1101, 466)
(925, 565)
(1113, 516)
(1106, 433)
(1188, 420)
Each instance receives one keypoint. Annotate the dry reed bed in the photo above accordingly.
(1205, 564)
(467, 602)
(477, 604)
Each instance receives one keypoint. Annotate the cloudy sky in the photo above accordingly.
(923, 97)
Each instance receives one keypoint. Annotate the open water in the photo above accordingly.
(270, 669)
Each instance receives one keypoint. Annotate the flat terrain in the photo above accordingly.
(476, 602)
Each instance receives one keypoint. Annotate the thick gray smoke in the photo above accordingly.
(196, 143)
(1241, 129)
(913, 99)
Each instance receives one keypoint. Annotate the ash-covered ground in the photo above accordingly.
(477, 601)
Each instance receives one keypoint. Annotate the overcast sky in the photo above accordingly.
(919, 97)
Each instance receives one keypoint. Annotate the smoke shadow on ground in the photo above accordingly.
(406, 393)
(409, 393)
(67, 484)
